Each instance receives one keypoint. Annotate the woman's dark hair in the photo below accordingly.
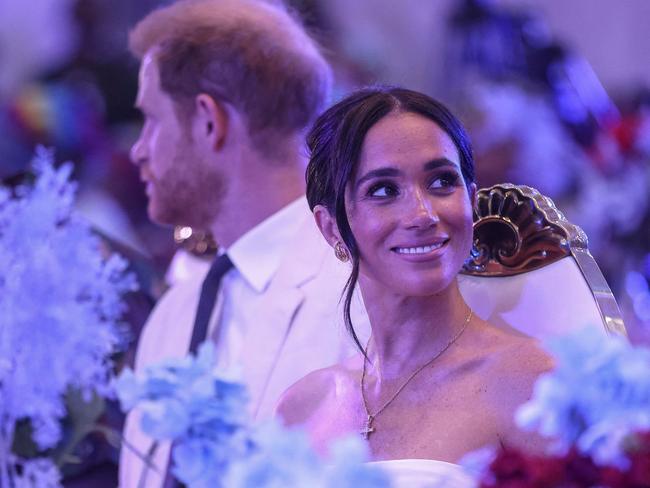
(335, 143)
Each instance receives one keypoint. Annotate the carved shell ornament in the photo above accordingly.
(517, 229)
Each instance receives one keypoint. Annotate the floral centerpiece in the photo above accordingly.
(594, 408)
(203, 412)
(60, 308)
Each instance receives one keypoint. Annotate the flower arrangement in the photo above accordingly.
(203, 413)
(513, 468)
(595, 408)
(60, 308)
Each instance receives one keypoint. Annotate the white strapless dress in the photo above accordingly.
(425, 473)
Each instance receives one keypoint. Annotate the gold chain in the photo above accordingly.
(369, 429)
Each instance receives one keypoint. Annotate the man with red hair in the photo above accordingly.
(227, 89)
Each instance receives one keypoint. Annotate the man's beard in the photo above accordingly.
(189, 193)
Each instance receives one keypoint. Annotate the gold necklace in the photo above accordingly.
(369, 429)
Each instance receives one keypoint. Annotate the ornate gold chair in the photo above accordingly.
(530, 269)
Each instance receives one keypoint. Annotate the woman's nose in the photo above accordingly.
(421, 212)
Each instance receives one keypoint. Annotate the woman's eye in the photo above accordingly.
(445, 181)
(382, 190)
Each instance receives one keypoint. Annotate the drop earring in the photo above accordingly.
(341, 253)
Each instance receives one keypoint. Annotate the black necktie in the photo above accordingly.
(209, 290)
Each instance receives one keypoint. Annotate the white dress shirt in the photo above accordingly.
(256, 257)
(277, 317)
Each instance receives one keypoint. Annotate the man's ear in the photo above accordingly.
(210, 122)
(327, 225)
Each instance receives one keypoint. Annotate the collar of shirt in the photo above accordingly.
(258, 253)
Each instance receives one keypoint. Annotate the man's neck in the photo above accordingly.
(251, 202)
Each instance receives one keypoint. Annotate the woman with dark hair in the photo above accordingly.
(391, 184)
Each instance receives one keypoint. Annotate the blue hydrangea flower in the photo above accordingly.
(347, 468)
(203, 413)
(284, 458)
(598, 393)
(268, 466)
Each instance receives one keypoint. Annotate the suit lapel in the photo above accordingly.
(264, 346)
(278, 309)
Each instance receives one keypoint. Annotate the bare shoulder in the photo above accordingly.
(509, 354)
(312, 392)
(509, 366)
(522, 356)
(304, 396)
(514, 365)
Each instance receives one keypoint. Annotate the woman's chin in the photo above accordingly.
(407, 283)
(421, 287)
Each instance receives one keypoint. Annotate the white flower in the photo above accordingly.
(38, 473)
(60, 304)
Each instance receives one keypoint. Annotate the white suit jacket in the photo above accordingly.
(298, 328)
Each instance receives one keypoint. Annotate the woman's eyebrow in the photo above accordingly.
(439, 162)
(392, 171)
(377, 173)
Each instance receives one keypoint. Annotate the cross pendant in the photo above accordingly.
(368, 429)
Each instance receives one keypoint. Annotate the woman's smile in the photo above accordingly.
(431, 250)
